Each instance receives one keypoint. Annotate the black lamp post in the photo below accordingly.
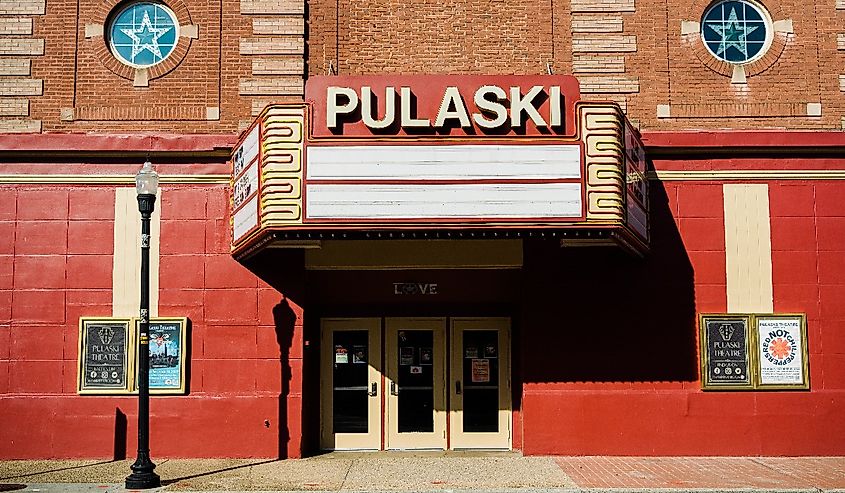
(143, 475)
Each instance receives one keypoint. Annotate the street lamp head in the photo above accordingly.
(146, 181)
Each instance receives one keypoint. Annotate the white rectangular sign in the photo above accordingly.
(245, 219)
(246, 152)
(780, 351)
(245, 186)
(457, 162)
(444, 182)
(432, 201)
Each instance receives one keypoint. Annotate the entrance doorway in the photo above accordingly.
(415, 383)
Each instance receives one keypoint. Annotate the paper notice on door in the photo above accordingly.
(480, 370)
(340, 355)
(406, 355)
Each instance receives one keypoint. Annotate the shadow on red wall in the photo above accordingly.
(283, 272)
(602, 315)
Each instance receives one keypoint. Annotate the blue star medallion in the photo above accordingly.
(143, 34)
(734, 31)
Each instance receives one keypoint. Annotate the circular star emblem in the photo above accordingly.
(143, 34)
(736, 31)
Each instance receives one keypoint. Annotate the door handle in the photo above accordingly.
(373, 390)
(457, 387)
(394, 389)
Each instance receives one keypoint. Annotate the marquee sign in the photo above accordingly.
(424, 153)
(458, 106)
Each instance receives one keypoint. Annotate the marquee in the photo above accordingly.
(439, 156)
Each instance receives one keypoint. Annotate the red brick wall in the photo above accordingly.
(495, 38)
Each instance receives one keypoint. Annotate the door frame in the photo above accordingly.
(406, 441)
(458, 439)
(351, 441)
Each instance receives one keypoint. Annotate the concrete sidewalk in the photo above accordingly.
(441, 471)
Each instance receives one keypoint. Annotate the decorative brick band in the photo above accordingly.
(278, 45)
(598, 43)
(609, 84)
(21, 87)
(20, 126)
(15, 66)
(282, 86)
(22, 46)
(598, 63)
(296, 7)
(603, 6)
(287, 66)
(14, 107)
(278, 25)
(146, 112)
(23, 7)
(738, 110)
(15, 26)
(596, 23)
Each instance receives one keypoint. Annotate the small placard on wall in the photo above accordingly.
(759, 351)
(781, 351)
(168, 346)
(726, 362)
(105, 355)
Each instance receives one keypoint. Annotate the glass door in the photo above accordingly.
(480, 394)
(415, 383)
(351, 395)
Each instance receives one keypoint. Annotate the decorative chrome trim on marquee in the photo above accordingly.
(602, 131)
(283, 144)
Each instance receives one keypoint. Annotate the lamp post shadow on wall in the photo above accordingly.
(143, 475)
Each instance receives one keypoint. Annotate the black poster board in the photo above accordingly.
(725, 352)
(105, 361)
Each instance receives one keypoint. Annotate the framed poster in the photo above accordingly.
(168, 348)
(106, 352)
(725, 356)
(781, 351)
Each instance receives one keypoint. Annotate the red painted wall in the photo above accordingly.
(56, 250)
(605, 348)
(610, 346)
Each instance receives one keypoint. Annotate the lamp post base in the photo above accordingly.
(143, 477)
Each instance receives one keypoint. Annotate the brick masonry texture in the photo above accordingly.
(250, 52)
(15, 66)
(621, 50)
(15, 25)
(23, 7)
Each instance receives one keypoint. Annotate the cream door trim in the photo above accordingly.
(436, 439)
(350, 441)
(458, 438)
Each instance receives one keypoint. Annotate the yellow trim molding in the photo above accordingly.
(43, 179)
(747, 174)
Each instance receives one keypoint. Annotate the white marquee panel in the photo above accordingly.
(432, 201)
(454, 162)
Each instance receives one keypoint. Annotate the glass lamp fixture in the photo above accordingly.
(146, 181)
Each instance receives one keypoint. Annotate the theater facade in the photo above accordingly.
(556, 236)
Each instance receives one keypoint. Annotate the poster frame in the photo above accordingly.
(704, 358)
(129, 356)
(182, 389)
(803, 350)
